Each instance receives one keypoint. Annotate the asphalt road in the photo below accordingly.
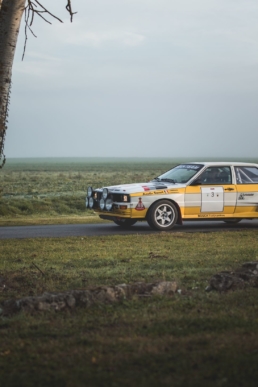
(68, 230)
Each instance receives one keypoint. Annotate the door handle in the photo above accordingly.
(229, 189)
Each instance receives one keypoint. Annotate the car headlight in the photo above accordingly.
(87, 202)
(89, 192)
(105, 193)
(109, 204)
(102, 204)
(91, 202)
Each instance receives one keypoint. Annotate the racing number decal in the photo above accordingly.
(212, 199)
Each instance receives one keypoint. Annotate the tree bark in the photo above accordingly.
(11, 12)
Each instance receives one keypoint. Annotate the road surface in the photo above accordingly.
(68, 230)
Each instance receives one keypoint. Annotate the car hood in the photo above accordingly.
(142, 187)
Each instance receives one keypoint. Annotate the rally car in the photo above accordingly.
(191, 191)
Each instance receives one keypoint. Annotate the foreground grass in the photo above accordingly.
(37, 220)
(191, 339)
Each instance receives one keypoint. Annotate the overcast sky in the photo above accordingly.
(162, 78)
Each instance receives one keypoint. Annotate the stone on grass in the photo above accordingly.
(87, 297)
(242, 277)
(225, 281)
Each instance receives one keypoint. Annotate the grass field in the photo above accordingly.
(192, 338)
(53, 190)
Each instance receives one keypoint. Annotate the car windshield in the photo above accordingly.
(180, 174)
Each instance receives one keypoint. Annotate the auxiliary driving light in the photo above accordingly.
(91, 202)
(89, 192)
(102, 204)
(109, 204)
(105, 193)
(87, 202)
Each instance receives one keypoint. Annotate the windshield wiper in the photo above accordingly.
(156, 179)
(169, 180)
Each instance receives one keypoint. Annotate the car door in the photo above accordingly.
(247, 191)
(212, 194)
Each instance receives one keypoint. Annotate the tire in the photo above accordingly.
(162, 215)
(232, 221)
(125, 223)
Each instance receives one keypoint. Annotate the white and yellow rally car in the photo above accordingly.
(191, 191)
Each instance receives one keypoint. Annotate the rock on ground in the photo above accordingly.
(246, 275)
(87, 298)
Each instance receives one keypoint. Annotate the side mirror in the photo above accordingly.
(197, 182)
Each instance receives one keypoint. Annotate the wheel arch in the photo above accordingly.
(179, 219)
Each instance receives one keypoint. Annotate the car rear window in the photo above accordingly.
(246, 175)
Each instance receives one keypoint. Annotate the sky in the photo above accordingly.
(138, 78)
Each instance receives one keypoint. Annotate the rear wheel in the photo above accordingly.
(125, 223)
(162, 215)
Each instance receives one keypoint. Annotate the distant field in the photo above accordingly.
(46, 189)
(42, 190)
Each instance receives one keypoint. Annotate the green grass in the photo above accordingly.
(192, 339)
(48, 188)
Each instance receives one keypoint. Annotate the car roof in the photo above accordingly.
(223, 163)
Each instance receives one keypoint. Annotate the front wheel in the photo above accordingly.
(125, 223)
(162, 215)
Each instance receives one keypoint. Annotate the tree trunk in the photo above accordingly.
(11, 12)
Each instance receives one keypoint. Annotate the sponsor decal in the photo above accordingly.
(151, 187)
(140, 205)
(188, 166)
(242, 195)
(165, 191)
(211, 216)
(159, 192)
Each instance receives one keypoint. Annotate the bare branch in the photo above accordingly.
(42, 272)
(47, 21)
(45, 10)
(28, 24)
(36, 8)
(69, 9)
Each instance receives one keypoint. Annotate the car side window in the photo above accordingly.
(246, 175)
(216, 175)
